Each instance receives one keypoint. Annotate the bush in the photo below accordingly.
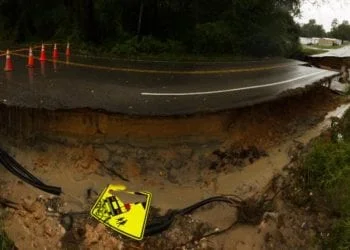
(345, 126)
(129, 47)
(327, 170)
(214, 37)
(148, 45)
(340, 237)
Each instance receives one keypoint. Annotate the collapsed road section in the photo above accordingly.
(335, 59)
(72, 125)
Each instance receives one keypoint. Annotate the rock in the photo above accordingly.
(102, 154)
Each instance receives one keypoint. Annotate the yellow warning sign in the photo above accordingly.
(124, 211)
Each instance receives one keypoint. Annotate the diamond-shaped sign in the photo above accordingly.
(123, 211)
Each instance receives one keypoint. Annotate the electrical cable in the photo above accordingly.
(41, 186)
(16, 169)
(162, 223)
(18, 166)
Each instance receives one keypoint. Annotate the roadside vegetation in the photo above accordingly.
(5, 243)
(339, 30)
(158, 28)
(326, 175)
(180, 30)
(308, 51)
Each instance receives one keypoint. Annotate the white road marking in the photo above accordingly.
(230, 90)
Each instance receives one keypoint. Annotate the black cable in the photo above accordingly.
(16, 169)
(190, 209)
(162, 223)
(43, 187)
(17, 165)
(13, 169)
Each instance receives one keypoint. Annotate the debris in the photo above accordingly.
(123, 211)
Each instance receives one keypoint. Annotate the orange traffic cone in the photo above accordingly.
(8, 65)
(42, 54)
(55, 52)
(68, 50)
(30, 58)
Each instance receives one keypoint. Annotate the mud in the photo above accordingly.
(329, 62)
(173, 158)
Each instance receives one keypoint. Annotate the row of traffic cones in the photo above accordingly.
(9, 65)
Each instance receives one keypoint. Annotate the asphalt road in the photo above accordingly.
(145, 88)
(342, 52)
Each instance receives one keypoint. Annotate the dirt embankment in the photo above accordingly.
(329, 62)
(260, 125)
(180, 160)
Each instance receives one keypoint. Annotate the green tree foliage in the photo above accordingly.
(312, 29)
(254, 27)
(341, 31)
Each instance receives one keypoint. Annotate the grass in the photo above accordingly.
(309, 51)
(326, 169)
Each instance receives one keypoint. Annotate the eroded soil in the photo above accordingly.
(244, 153)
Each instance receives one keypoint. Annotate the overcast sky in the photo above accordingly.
(325, 11)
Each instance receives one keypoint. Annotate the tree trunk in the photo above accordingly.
(196, 12)
(140, 20)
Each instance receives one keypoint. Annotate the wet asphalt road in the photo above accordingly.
(342, 52)
(144, 88)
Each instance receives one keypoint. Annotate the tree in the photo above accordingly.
(312, 29)
(341, 31)
(258, 27)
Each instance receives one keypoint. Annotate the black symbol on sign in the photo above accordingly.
(121, 221)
